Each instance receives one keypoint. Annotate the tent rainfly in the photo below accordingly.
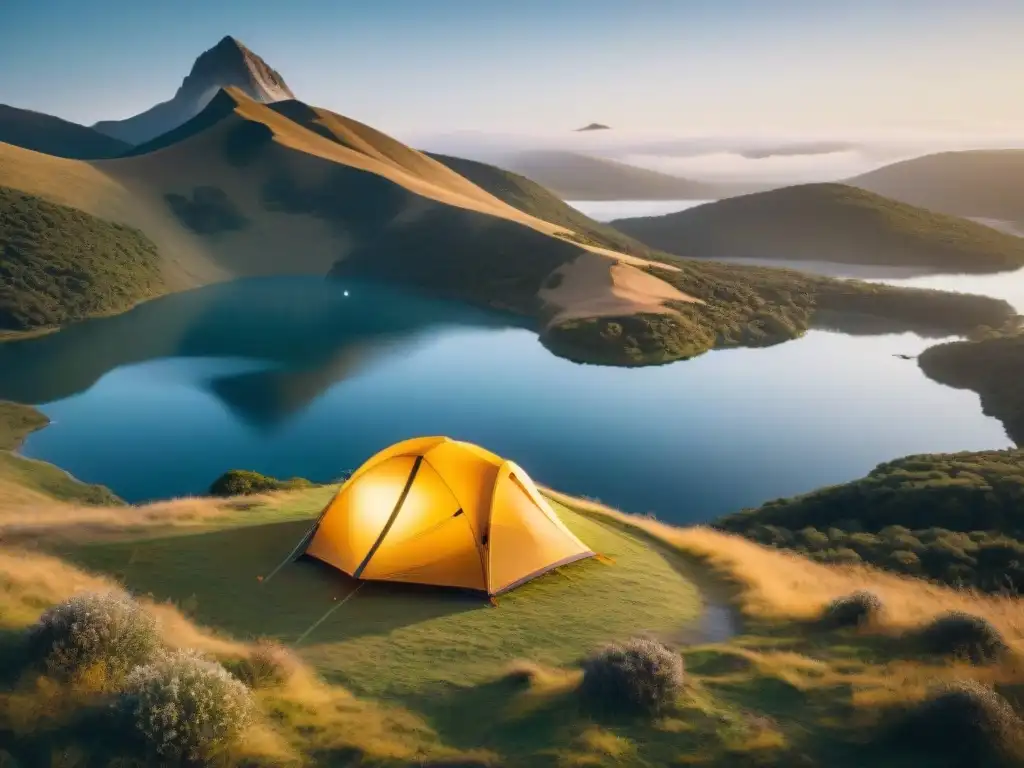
(433, 510)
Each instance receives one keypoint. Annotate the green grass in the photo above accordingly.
(829, 222)
(59, 264)
(399, 640)
(18, 473)
(956, 518)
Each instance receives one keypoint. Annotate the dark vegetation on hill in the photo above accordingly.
(993, 367)
(760, 306)
(829, 222)
(52, 136)
(986, 183)
(530, 197)
(208, 211)
(59, 264)
(956, 518)
(244, 482)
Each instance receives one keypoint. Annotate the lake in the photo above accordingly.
(308, 377)
(606, 210)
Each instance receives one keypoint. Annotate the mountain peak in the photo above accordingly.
(594, 127)
(228, 63)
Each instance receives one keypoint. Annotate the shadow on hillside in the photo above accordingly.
(215, 579)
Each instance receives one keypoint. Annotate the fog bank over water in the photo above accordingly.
(778, 159)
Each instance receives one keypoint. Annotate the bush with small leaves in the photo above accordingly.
(640, 676)
(92, 630)
(185, 708)
(961, 634)
(853, 610)
(967, 723)
(267, 665)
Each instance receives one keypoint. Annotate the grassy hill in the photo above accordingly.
(53, 136)
(61, 264)
(530, 197)
(955, 518)
(829, 222)
(25, 482)
(992, 367)
(981, 183)
(573, 176)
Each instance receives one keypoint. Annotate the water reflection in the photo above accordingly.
(299, 335)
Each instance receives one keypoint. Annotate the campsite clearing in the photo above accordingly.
(398, 640)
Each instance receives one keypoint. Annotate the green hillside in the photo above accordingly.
(53, 136)
(957, 518)
(60, 264)
(530, 197)
(985, 183)
(993, 367)
(28, 481)
(829, 222)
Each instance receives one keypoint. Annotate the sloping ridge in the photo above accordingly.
(233, 190)
(983, 183)
(53, 136)
(829, 222)
(574, 176)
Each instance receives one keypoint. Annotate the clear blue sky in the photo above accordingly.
(547, 65)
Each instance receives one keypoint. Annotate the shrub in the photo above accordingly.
(185, 708)
(267, 665)
(243, 482)
(639, 677)
(853, 610)
(966, 721)
(90, 630)
(962, 634)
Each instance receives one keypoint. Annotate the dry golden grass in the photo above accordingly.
(30, 519)
(773, 584)
(303, 715)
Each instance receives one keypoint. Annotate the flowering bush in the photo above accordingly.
(91, 630)
(640, 676)
(185, 707)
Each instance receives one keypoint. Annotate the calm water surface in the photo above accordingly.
(289, 376)
(606, 210)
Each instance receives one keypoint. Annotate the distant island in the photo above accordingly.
(594, 127)
(829, 222)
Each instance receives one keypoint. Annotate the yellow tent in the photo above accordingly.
(433, 510)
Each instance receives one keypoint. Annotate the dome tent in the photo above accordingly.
(433, 510)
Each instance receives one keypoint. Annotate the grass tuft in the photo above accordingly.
(961, 634)
(854, 610)
(268, 665)
(640, 676)
(966, 721)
